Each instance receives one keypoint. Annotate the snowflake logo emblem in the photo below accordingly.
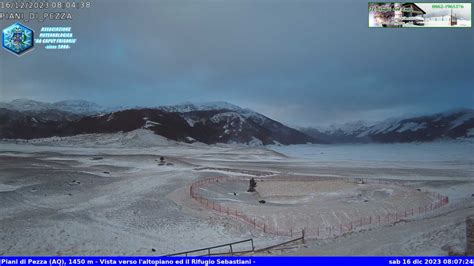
(17, 38)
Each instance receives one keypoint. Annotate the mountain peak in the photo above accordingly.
(76, 102)
(81, 107)
(23, 100)
(205, 106)
(24, 104)
(452, 124)
(216, 122)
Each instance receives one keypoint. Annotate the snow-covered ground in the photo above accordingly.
(446, 23)
(108, 194)
(461, 150)
(323, 207)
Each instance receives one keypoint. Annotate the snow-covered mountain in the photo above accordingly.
(208, 123)
(447, 125)
(187, 111)
(190, 107)
(23, 105)
(79, 107)
(217, 122)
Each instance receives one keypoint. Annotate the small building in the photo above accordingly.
(412, 10)
(412, 13)
(397, 14)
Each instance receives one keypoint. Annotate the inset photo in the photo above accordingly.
(428, 15)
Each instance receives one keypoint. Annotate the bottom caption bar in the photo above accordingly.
(236, 260)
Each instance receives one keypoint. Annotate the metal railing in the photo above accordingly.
(231, 251)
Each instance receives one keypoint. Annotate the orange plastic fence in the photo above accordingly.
(316, 232)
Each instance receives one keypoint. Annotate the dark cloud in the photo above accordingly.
(301, 62)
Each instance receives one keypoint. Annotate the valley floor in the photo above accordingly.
(59, 199)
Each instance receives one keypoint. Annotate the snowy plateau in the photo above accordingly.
(118, 182)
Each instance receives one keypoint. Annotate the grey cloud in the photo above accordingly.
(300, 62)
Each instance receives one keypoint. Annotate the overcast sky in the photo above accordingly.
(300, 62)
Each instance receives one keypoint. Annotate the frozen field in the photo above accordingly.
(90, 195)
(315, 205)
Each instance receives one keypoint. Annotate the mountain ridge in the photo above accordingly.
(452, 124)
(210, 123)
(218, 122)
